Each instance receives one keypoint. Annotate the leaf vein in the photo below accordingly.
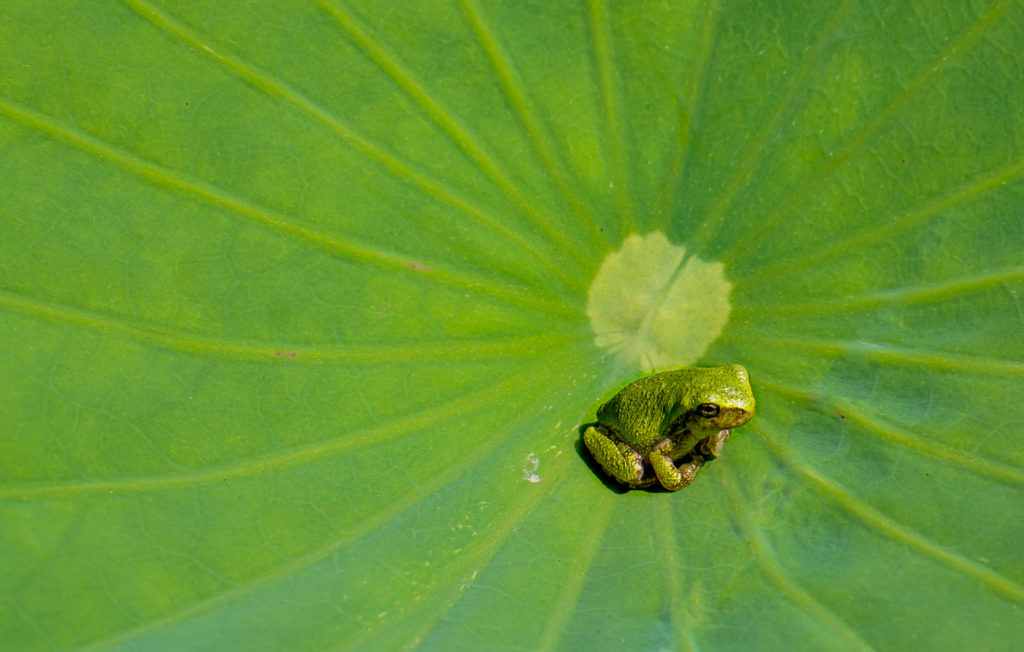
(400, 169)
(934, 292)
(540, 138)
(902, 437)
(214, 196)
(275, 461)
(892, 529)
(459, 134)
(859, 139)
(894, 354)
(617, 155)
(571, 591)
(309, 559)
(757, 149)
(765, 555)
(181, 340)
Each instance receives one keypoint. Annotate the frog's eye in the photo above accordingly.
(708, 410)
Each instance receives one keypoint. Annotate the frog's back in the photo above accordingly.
(642, 406)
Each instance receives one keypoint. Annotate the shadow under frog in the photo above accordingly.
(662, 429)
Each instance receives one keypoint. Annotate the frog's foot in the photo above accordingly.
(669, 475)
(617, 459)
(712, 446)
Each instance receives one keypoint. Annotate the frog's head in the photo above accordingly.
(724, 399)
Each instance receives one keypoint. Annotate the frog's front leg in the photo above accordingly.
(670, 476)
(616, 458)
(712, 447)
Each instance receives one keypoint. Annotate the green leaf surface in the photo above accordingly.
(293, 313)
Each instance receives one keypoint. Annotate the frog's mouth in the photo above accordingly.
(732, 417)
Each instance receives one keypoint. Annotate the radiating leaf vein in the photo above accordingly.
(956, 50)
(890, 528)
(441, 597)
(691, 107)
(664, 533)
(906, 295)
(777, 573)
(519, 512)
(617, 154)
(894, 354)
(883, 226)
(900, 436)
(401, 169)
(586, 550)
(210, 194)
(460, 135)
(540, 138)
(179, 340)
(270, 462)
(757, 148)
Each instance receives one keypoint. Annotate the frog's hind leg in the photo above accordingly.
(617, 459)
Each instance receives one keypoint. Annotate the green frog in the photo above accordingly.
(681, 415)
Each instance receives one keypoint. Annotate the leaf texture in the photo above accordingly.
(293, 312)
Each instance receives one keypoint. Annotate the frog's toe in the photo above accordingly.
(633, 467)
(713, 445)
(645, 482)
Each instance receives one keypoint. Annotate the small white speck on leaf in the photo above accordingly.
(530, 468)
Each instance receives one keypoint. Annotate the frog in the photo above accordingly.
(663, 428)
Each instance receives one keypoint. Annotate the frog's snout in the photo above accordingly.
(741, 416)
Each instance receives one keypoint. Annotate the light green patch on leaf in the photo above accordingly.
(652, 309)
